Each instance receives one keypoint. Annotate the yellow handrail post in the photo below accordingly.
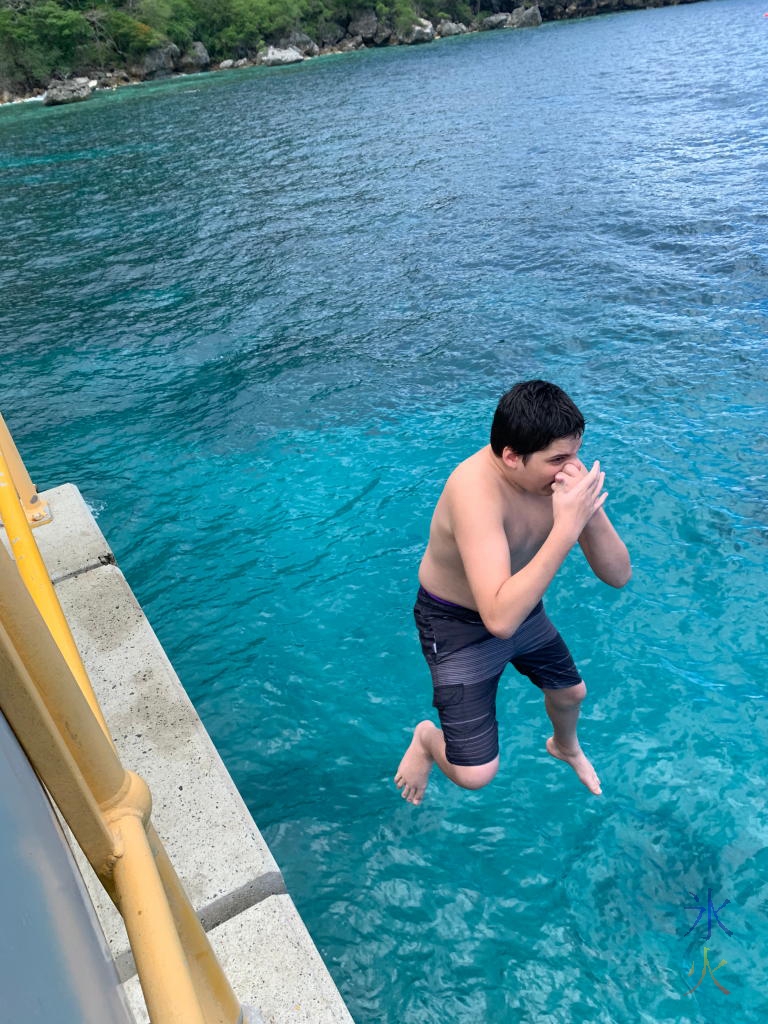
(35, 575)
(42, 665)
(168, 988)
(48, 750)
(218, 1000)
(35, 509)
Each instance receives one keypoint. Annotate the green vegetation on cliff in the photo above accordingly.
(39, 38)
(42, 39)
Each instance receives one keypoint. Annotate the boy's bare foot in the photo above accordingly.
(580, 764)
(413, 773)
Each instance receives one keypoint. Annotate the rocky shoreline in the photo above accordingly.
(362, 31)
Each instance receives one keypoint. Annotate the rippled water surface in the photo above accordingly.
(258, 317)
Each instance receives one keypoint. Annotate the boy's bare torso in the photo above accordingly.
(525, 517)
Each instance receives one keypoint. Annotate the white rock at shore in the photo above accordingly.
(521, 17)
(451, 28)
(72, 90)
(273, 57)
(421, 31)
(525, 17)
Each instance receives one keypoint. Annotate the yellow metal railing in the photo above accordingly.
(35, 509)
(47, 697)
(35, 576)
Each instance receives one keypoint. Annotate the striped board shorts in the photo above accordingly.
(466, 662)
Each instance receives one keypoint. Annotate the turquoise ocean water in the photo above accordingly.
(258, 317)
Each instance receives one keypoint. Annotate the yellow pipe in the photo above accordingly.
(217, 999)
(168, 988)
(35, 509)
(35, 575)
(50, 756)
(55, 688)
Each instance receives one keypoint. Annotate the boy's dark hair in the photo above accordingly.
(531, 416)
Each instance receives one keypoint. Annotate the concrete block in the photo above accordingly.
(273, 967)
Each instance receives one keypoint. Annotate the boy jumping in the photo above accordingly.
(507, 518)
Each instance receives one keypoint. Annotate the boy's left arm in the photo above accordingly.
(603, 548)
(605, 551)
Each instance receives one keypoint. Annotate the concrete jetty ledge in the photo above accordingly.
(218, 852)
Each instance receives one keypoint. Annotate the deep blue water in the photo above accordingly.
(258, 317)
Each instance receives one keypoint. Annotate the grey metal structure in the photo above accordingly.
(54, 961)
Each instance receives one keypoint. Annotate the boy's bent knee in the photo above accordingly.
(474, 776)
(568, 696)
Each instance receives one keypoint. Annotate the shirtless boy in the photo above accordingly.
(504, 524)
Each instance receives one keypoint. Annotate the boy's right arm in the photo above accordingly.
(504, 599)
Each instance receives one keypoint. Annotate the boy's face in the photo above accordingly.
(538, 474)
